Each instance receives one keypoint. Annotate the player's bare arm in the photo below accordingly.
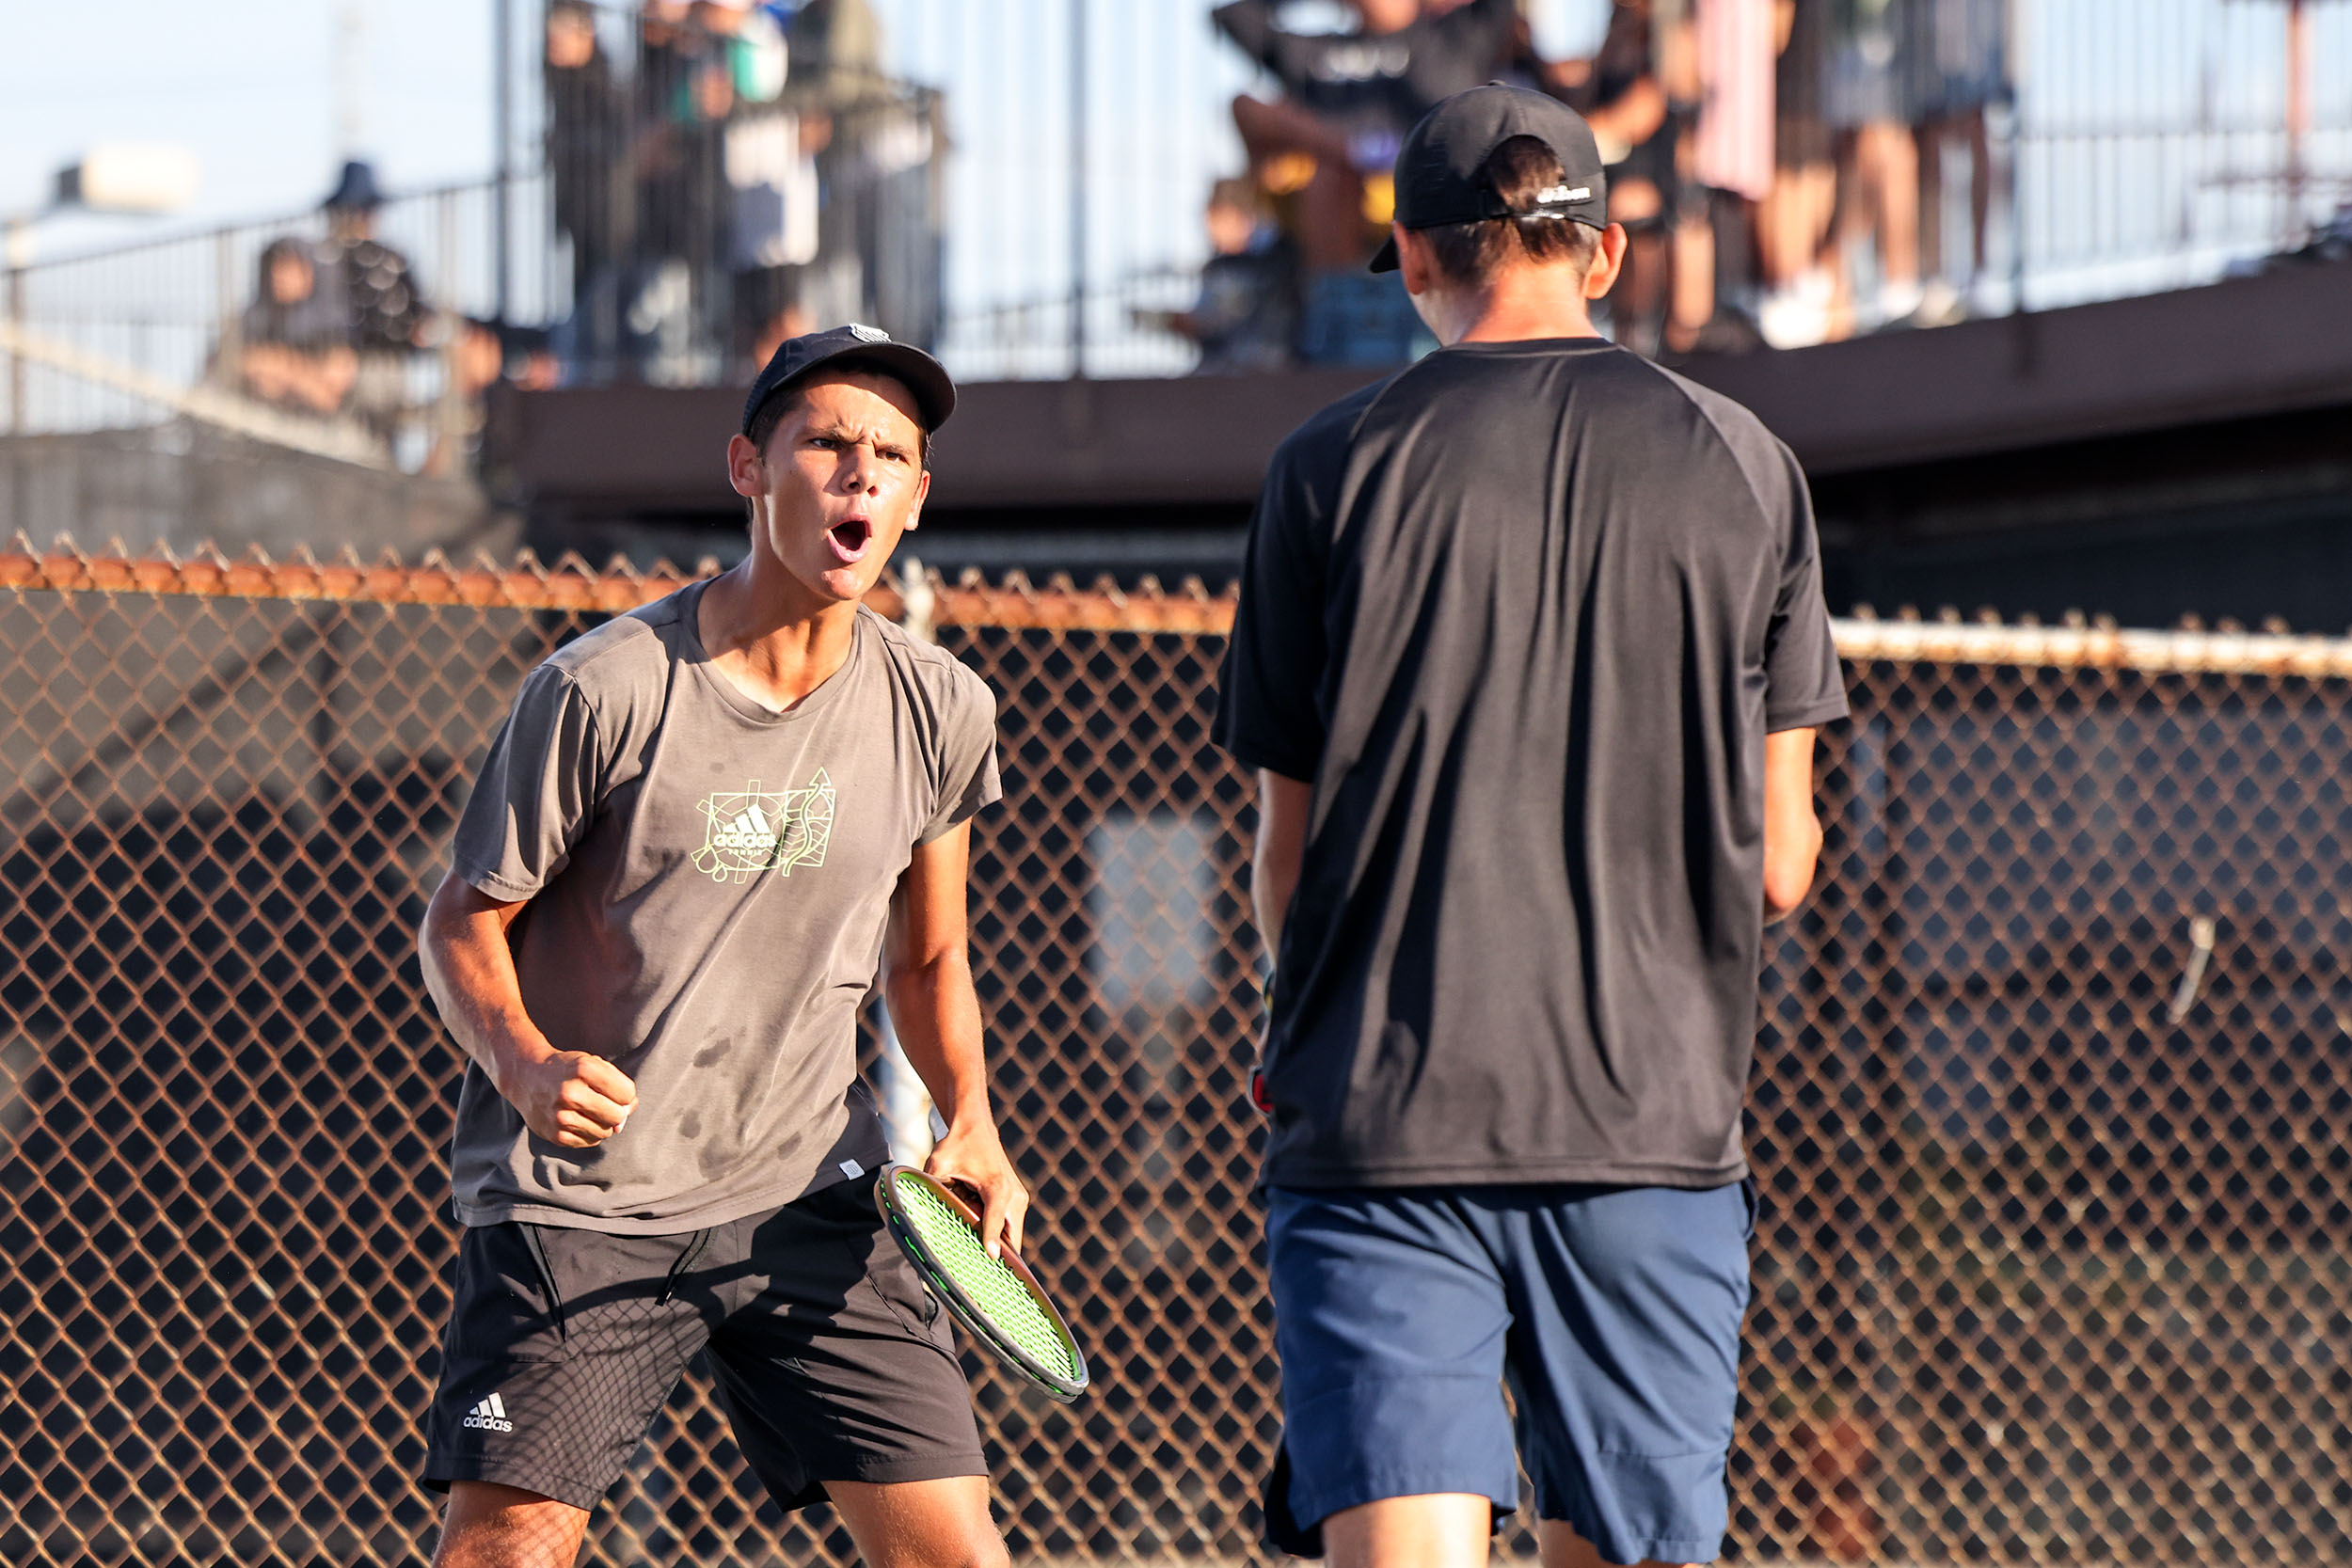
(566, 1097)
(927, 970)
(1282, 845)
(1792, 833)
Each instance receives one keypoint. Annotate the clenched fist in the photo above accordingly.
(571, 1097)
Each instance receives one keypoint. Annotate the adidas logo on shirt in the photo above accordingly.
(489, 1416)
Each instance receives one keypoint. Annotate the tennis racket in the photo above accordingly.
(998, 1299)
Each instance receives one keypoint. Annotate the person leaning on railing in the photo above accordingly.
(294, 349)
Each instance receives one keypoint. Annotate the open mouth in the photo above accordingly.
(851, 536)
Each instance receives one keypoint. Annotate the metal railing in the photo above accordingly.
(677, 207)
(2055, 1246)
(1033, 208)
(2148, 145)
(191, 328)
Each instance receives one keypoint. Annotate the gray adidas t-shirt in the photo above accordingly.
(709, 884)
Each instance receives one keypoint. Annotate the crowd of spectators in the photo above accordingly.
(728, 174)
(1780, 167)
(724, 174)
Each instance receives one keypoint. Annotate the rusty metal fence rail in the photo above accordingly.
(2049, 1106)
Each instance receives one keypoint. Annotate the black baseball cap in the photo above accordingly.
(1439, 168)
(856, 344)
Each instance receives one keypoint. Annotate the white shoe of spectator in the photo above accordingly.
(1796, 315)
(1940, 305)
(1990, 295)
(1897, 302)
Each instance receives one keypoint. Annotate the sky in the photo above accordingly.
(251, 86)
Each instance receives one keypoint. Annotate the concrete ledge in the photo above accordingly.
(2275, 344)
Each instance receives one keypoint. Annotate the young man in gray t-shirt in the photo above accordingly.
(704, 828)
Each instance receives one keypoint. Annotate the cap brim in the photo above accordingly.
(1384, 259)
(923, 376)
(934, 393)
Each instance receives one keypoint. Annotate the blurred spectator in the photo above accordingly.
(589, 159)
(838, 45)
(1328, 145)
(1636, 91)
(380, 289)
(753, 166)
(772, 185)
(771, 170)
(483, 352)
(384, 312)
(873, 142)
(798, 258)
(685, 91)
(1728, 154)
(1794, 222)
(1247, 315)
(757, 59)
(295, 346)
(790, 321)
(1960, 68)
(1867, 98)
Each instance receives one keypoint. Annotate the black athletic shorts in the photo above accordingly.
(833, 1362)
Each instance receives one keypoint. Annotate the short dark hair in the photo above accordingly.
(1471, 254)
(790, 400)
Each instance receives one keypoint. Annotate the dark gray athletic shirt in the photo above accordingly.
(1523, 614)
(708, 884)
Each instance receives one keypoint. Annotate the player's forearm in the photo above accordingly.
(1792, 858)
(470, 972)
(936, 1015)
(1792, 829)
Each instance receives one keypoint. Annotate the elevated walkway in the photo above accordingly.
(2140, 457)
(2277, 344)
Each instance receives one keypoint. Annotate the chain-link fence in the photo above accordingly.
(2055, 1249)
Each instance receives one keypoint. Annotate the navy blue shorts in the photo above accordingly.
(1613, 1312)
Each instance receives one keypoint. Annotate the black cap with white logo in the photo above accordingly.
(846, 347)
(1438, 168)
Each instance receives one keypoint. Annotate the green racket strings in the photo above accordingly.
(993, 1288)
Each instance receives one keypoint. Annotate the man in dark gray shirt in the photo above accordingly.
(704, 828)
(1529, 649)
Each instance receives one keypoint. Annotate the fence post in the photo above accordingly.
(231, 356)
(502, 112)
(20, 245)
(1077, 190)
(448, 449)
